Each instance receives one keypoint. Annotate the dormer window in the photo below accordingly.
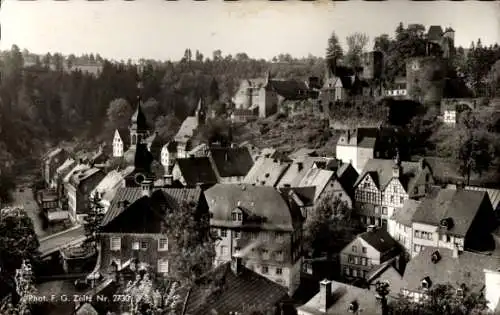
(237, 215)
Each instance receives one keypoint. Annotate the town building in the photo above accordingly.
(131, 229)
(139, 129)
(60, 173)
(193, 171)
(168, 156)
(397, 89)
(107, 187)
(51, 161)
(367, 252)
(242, 115)
(78, 184)
(231, 164)
(389, 272)
(445, 218)
(452, 108)
(121, 142)
(183, 138)
(439, 41)
(384, 185)
(258, 225)
(238, 289)
(336, 298)
(435, 266)
(266, 172)
(141, 159)
(301, 197)
(265, 95)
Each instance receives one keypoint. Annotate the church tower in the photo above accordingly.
(201, 113)
(139, 129)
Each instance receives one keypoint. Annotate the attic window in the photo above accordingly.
(237, 216)
(426, 283)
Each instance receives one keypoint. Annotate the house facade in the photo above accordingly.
(121, 142)
(51, 161)
(385, 185)
(183, 138)
(256, 224)
(445, 218)
(366, 252)
(132, 232)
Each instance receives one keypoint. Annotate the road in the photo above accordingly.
(25, 198)
(58, 240)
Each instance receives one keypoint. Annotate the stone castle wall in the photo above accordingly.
(425, 79)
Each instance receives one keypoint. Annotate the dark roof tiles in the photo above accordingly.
(231, 162)
(196, 170)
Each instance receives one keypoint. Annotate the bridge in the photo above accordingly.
(54, 243)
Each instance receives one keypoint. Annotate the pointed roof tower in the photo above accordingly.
(267, 83)
(138, 120)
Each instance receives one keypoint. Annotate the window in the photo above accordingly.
(223, 232)
(401, 200)
(354, 249)
(144, 245)
(163, 266)
(417, 234)
(279, 237)
(265, 269)
(384, 210)
(162, 244)
(237, 234)
(354, 273)
(350, 259)
(253, 235)
(363, 249)
(279, 271)
(279, 256)
(237, 216)
(265, 254)
(429, 236)
(135, 245)
(416, 248)
(377, 210)
(448, 239)
(356, 260)
(392, 198)
(346, 271)
(116, 243)
(223, 250)
(236, 249)
(395, 189)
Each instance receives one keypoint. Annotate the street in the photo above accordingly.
(25, 198)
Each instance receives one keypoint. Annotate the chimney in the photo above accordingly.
(147, 187)
(168, 180)
(236, 265)
(325, 294)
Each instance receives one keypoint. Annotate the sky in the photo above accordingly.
(162, 30)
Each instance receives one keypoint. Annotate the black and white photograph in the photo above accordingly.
(249, 157)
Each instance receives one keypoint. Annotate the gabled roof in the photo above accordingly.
(290, 89)
(109, 184)
(305, 194)
(142, 213)
(232, 293)
(380, 171)
(342, 296)
(347, 176)
(318, 178)
(380, 239)
(231, 162)
(65, 167)
(261, 201)
(124, 134)
(76, 168)
(197, 170)
(467, 269)
(361, 137)
(297, 170)
(79, 176)
(187, 129)
(459, 205)
(493, 194)
(266, 172)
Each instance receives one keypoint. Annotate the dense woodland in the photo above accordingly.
(44, 102)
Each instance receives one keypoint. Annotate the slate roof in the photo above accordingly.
(124, 134)
(259, 201)
(305, 194)
(266, 172)
(297, 170)
(467, 269)
(234, 294)
(200, 150)
(380, 240)
(493, 194)
(109, 184)
(83, 174)
(142, 212)
(405, 215)
(76, 168)
(347, 176)
(342, 296)
(196, 170)
(318, 178)
(435, 32)
(65, 167)
(231, 162)
(289, 89)
(187, 129)
(459, 205)
(444, 170)
(381, 172)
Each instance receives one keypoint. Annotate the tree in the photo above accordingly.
(215, 131)
(334, 50)
(443, 299)
(217, 55)
(329, 220)
(25, 289)
(213, 92)
(151, 109)
(356, 44)
(167, 126)
(93, 220)
(18, 240)
(193, 245)
(382, 43)
(118, 113)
